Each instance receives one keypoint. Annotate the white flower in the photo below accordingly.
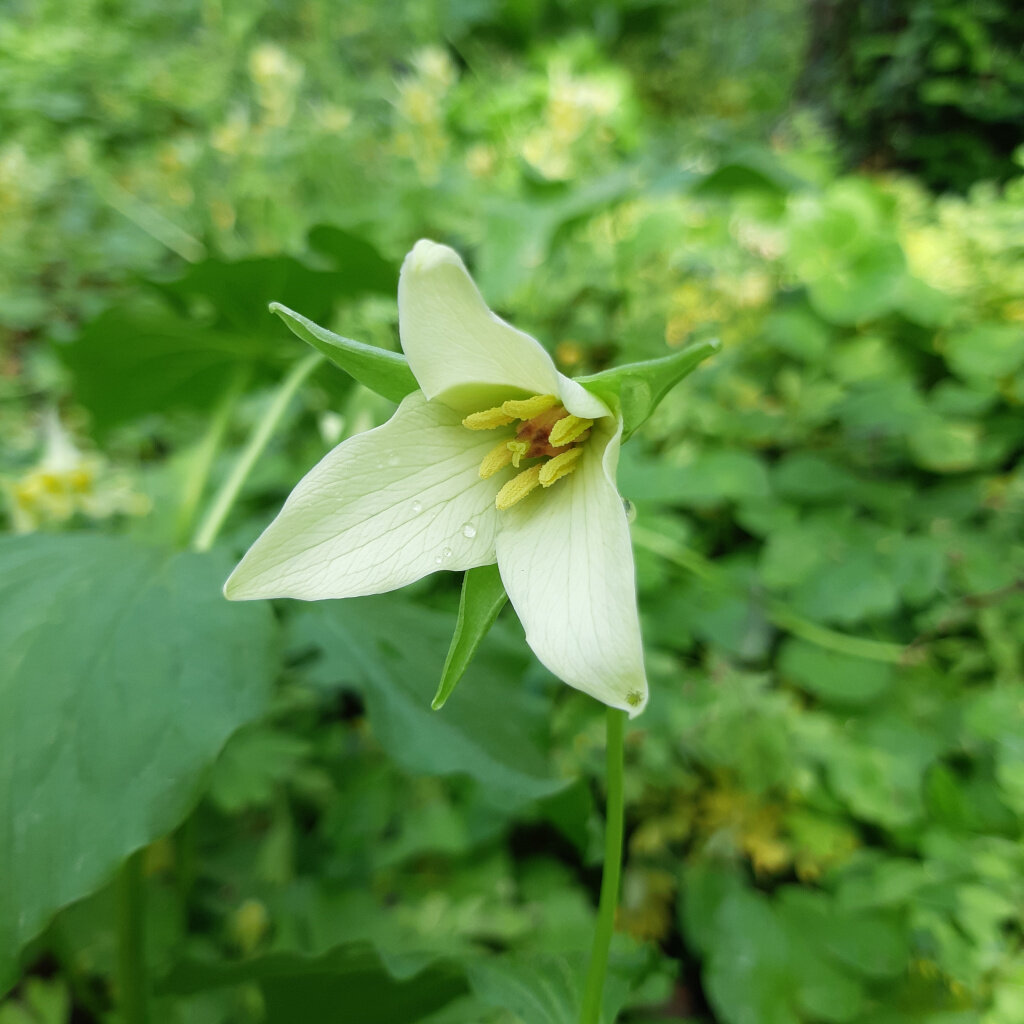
(498, 457)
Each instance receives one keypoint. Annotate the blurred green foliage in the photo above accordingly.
(825, 796)
(933, 86)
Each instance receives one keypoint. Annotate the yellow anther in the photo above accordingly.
(561, 465)
(497, 458)
(517, 449)
(527, 408)
(568, 429)
(488, 419)
(517, 488)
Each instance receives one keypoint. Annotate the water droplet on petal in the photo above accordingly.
(630, 510)
(468, 530)
(417, 507)
(437, 560)
(447, 553)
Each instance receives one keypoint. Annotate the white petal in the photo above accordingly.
(452, 340)
(567, 563)
(382, 509)
(580, 402)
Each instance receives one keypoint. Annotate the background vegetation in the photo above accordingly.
(826, 795)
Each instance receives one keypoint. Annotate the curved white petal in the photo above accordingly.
(382, 509)
(580, 402)
(451, 338)
(567, 563)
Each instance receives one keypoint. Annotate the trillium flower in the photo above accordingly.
(496, 457)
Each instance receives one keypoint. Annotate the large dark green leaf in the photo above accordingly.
(392, 650)
(147, 358)
(122, 673)
(239, 291)
(349, 983)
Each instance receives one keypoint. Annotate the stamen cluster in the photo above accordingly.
(546, 432)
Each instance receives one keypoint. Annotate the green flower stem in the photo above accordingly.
(133, 985)
(206, 452)
(254, 447)
(777, 613)
(613, 829)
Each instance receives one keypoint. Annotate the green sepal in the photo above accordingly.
(637, 389)
(483, 596)
(386, 373)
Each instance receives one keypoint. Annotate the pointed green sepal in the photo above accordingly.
(385, 372)
(483, 596)
(637, 389)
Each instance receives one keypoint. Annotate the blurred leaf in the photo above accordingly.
(713, 477)
(349, 979)
(125, 672)
(238, 292)
(865, 287)
(391, 650)
(857, 586)
(386, 373)
(251, 766)
(145, 359)
(358, 265)
(483, 597)
(520, 233)
(986, 351)
(797, 332)
(540, 990)
(833, 676)
(945, 445)
(812, 479)
(768, 961)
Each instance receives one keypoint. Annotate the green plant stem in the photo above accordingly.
(254, 447)
(613, 828)
(206, 452)
(133, 986)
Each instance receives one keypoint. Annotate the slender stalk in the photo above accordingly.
(258, 440)
(205, 453)
(133, 986)
(594, 988)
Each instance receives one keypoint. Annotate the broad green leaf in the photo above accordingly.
(766, 961)
(986, 351)
(347, 983)
(145, 359)
(712, 478)
(358, 264)
(541, 990)
(637, 389)
(122, 673)
(239, 291)
(544, 988)
(252, 766)
(391, 650)
(945, 445)
(386, 373)
(483, 596)
(833, 676)
(858, 586)
(862, 288)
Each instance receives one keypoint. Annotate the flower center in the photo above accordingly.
(546, 432)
